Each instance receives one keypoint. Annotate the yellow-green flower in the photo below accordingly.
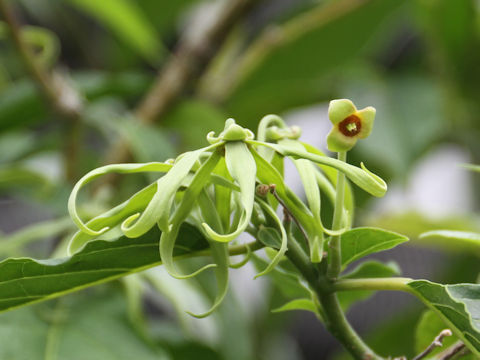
(349, 124)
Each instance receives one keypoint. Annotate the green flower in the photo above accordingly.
(349, 124)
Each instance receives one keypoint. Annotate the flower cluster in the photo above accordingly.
(208, 185)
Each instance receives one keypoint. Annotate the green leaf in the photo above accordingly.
(24, 281)
(97, 318)
(297, 304)
(126, 20)
(360, 242)
(457, 305)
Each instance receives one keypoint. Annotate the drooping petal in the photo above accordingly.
(367, 116)
(340, 109)
(337, 142)
(168, 237)
(113, 217)
(218, 250)
(362, 177)
(242, 169)
(223, 195)
(158, 210)
(115, 168)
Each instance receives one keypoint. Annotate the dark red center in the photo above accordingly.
(350, 126)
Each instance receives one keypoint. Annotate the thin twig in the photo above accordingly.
(454, 350)
(437, 342)
(194, 52)
(58, 94)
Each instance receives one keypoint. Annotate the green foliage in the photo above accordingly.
(457, 305)
(79, 90)
(25, 281)
(360, 242)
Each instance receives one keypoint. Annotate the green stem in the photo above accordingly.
(331, 311)
(395, 284)
(335, 253)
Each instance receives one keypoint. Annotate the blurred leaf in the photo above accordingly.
(469, 240)
(13, 177)
(297, 304)
(21, 105)
(373, 268)
(38, 231)
(148, 143)
(165, 14)
(457, 305)
(193, 120)
(126, 19)
(291, 75)
(25, 281)
(360, 242)
(288, 283)
(365, 270)
(413, 223)
(410, 117)
(451, 29)
(98, 319)
(428, 328)
(14, 145)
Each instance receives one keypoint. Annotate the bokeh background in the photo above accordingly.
(142, 80)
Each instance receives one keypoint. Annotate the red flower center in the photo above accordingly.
(350, 126)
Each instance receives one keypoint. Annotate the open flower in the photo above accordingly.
(349, 124)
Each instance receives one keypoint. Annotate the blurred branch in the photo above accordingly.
(59, 95)
(458, 348)
(219, 87)
(194, 52)
(437, 342)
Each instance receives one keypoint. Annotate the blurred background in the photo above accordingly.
(84, 83)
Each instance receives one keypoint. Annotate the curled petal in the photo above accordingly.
(158, 210)
(115, 168)
(169, 235)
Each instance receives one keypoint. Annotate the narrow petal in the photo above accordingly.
(339, 109)
(362, 177)
(367, 116)
(169, 235)
(113, 217)
(242, 169)
(158, 210)
(115, 168)
(338, 142)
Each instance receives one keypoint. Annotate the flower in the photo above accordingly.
(349, 124)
